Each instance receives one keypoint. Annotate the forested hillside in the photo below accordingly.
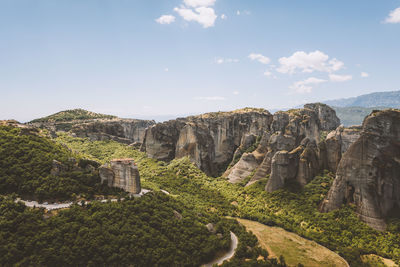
(34, 166)
(293, 209)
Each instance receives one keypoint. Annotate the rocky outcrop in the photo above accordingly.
(121, 173)
(368, 174)
(99, 129)
(248, 161)
(121, 130)
(337, 142)
(209, 140)
(160, 139)
(296, 134)
(327, 119)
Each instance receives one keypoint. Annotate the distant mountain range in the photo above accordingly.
(380, 99)
(353, 110)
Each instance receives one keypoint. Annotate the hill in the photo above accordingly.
(33, 165)
(389, 99)
(354, 115)
(72, 114)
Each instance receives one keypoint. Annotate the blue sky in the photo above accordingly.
(150, 58)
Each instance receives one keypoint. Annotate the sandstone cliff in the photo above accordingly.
(95, 126)
(121, 173)
(294, 133)
(368, 174)
(209, 140)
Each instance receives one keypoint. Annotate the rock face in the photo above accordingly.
(209, 140)
(337, 142)
(368, 174)
(121, 173)
(249, 161)
(121, 130)
(294, 134)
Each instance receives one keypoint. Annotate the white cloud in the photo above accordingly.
(223, 16)
(267, 73)
(166, 69)
(313, 61)
(197, 3)
(210, 98)
(340, 78)
(304, 86)
(165, 19)
(221, 60)
(235, 92)
(394, 16)
(260, 58)
(364, 74)
(244, 12)
(203, 15)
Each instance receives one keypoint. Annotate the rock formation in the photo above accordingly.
(209, 140)
(368, 174)
(294, 133)
(121, 173)
(121, 130)
(95, 126)
(337, 142)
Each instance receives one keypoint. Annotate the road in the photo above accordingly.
(228, 255)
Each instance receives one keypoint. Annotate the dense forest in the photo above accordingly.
(140, 232)
(34, 166)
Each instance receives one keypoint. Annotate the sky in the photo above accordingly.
(143, 59)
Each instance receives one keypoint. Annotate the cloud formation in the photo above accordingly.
(340, 78)
(260, 58)
(221, 60)
(204, 15)
(364, 74)
(165, 19)
(300, 61)
(394, 16)
(305, 86)
(197, 3)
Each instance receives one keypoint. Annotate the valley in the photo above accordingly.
(267, 194)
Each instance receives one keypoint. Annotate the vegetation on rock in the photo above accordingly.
(73, 114)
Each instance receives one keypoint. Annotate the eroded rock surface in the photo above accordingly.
(368, 174)
(121, 173)
(295, 133)
(121, 130)
(209, 140)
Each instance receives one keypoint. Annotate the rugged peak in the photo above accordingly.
(383, 122)
(209, 140)
(326, 115)
(368, 174)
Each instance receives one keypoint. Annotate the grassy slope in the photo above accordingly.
(339, 230)
(293, 247)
